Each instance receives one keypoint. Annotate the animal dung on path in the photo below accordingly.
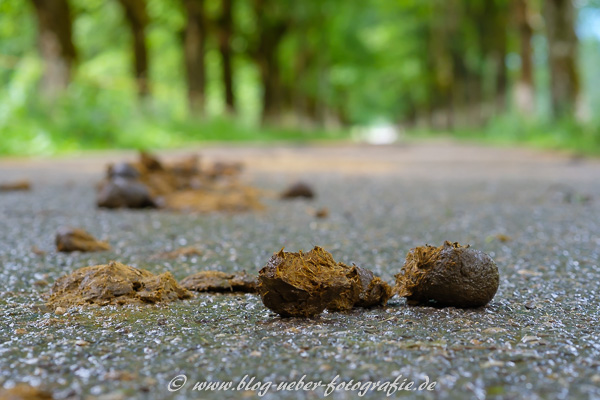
(448, 276)
(305, 284)
(115, 284)
(124, 192)
(181, 186)
(21, 185)
(298, 190)
(24, 391)
(73, 239)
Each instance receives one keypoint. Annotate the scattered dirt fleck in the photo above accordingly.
(21, 185)
(120, 376)
(449, 276)
(217, 281)
(73, 239)
(528, 273)
(115, 284)
(180, 252)
(24, 391)
(503, 238)
(298, 189)
(322, 213)
(304, 284)
(530, 305)
(37, 251)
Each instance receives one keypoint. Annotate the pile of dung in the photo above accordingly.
(21, 185)
(298, 190)
(374, 291)
(121, 192)
(217, 281)
(183, 186)
(74, 239)
(448, 276)
(304, 284)
(23, 391)
(114, 284)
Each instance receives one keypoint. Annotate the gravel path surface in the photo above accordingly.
(537, 214)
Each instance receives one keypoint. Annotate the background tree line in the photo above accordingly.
(441, 64)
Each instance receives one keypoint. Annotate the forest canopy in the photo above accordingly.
(143, 73)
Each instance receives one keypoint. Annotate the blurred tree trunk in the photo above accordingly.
(562, 52)
(137, 18)
(525, 90)
(497, 51)
(441, 35)
(271, 30)
(225, 34)
(55, 41)
(194, 49)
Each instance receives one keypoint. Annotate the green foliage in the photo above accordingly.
(511, 129)
(88, 118)
(362, 61)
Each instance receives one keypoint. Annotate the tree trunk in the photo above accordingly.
(55, 40)
(498, 54)
(525, 90)
(269, 72)
(225, 34)
(271, 31)
(562, 52)
(137, 18)
(194, 49)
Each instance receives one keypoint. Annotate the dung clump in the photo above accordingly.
(298, 190)
(114, 284)
(217, 281)
(448, 276)
(22, 185)
(183, 185)
(304, 284)
(124, 192)
(73, 239)
(374, 291)
(23, 391)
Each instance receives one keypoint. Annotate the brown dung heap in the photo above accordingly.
(23, 391)
(21, 185)
(448, 276)
(115, 284)
(74, 239)
(298, 190)
(180, 186)
(217, 281)
(304, 284)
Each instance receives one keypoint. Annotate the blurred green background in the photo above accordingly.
(86, 74)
